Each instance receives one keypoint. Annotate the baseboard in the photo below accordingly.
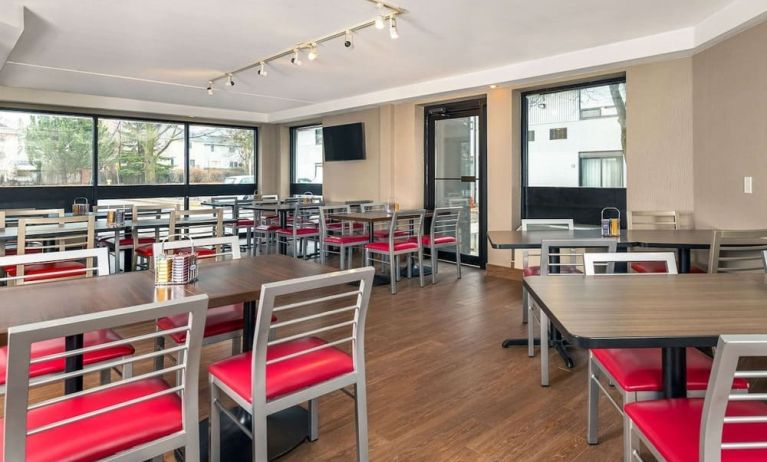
(504, 272)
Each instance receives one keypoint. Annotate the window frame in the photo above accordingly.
(302, 188)
(63, 196)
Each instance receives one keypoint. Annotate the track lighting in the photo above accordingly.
(210, 87)
(393, 33)
(262, 69)
(296, 59)
(229, 80)
(312, 52)
(379, 22)
(348, 39)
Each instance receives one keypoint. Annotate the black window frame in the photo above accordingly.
(63, 196)
(301, 188)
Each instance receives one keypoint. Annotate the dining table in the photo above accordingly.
(664, 311)
(224, 282)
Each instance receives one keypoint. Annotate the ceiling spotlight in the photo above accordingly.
(379, 22)
(348, 39)
(493, 86)
(393, 33)
(312, 52)
(229, 80)
(210, 87)
(262, 69)
(296, 59)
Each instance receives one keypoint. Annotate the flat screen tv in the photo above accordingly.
(344, 142)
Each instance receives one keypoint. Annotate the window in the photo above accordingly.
(306, 159)
(231, 164)
(45, 149)
(140, 153)
(558, 133)
(531, 135)
(602, 170)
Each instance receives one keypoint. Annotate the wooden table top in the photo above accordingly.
(681, 238)
(373, 217)
(227, 282)
(661, 310)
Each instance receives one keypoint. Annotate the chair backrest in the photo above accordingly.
(269, 198)
(96, 264)
(406, 225)
(60, 234)
(568, 254)
(330, 225)
(607, 261)
(542, 224)
(737, 251)
(196, 224)
(147, 212)
(334, 305)
(10, 217)
(730, 349)
(101, 208)
(642, 219)
(19, 385)
(373, 207)
(446, 222)
(225, 247)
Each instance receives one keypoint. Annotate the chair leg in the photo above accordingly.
(105, 376)
(392, 273)
(530, 331)
(259, 437)
(127, 370)
(159, 362)
(214, 425)
(420, 267)
(361, 414)
(314, 419)
(434, 265)
(544, 349)
(397, 265)
(592, 425)
(366, 262)
(342, 255)
(630, 440)
(458, 260)
(525, 306)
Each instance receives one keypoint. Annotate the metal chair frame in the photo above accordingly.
(658, 219)
(345, 228)
(743, 249)
(401, 230)
(446, 222)
(302, 219)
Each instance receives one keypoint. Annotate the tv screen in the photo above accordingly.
(344, 142)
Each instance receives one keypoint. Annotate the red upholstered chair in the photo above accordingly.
(637, 373)
(537, 224)
(654, 220)
(404, 237)
(130, 419)
(298, 367)
(559, 258)
(222, 323)
(9, 218)
(303, 228)
(266, 226)
(59, 265)
(339, 234)
(737, 251)
(725, 425)
(445, 232)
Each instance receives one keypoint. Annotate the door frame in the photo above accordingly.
(476, 106)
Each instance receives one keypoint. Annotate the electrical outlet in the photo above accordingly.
(748, 185)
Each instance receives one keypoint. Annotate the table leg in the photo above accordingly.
(249, 313)
(684, 259)
(282, 247)
(73, 363)
(117, 250)
(675, 372)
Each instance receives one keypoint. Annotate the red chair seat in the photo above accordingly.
(127, 241)
(45, 271)
(148, 251)
(14, 251)
(657, 267)
(285, 376)
(384, 246)
(641, 369)
(299, 231)
(348, 239)
(338, 226)
(426, 239)
(106, 434)
(384, 233)
(218, 321)
(536, 270)
(245, 222)
(49, 347)
(673, 427)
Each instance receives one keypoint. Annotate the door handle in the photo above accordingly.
(468, 179)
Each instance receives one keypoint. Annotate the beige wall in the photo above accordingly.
(730, 131)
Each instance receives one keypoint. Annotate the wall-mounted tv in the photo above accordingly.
(344, 142)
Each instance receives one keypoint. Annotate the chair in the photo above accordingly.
(266, 227)
(404, 237)
(246, 219)
(636, 373)
(381, 233)
(96, 264)
(339, 234)
(537, 224)
(192, 224)
(299, 367)
(724, 425)
(270, 197)
(445, 232)
(221, 323)
(143, 236)
(9, 218)
(300, 231)
(131, 419)
(654, 220)
(737, 251)
(559, 257)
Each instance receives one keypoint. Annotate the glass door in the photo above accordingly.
(455, 166)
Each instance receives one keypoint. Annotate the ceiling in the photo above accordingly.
(166, 51)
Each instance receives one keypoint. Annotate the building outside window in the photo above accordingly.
(306, 159)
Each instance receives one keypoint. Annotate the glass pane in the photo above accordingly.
(456, 142)
(307, 155)
(137, 152)
(221, 155)
(45, 150)
(161, 201)
(570, 124)
(454, 193)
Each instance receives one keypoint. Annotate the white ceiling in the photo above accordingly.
(112, 47)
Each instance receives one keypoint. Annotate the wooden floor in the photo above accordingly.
(441, 388)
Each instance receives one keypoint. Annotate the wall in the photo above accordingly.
(730, 131)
